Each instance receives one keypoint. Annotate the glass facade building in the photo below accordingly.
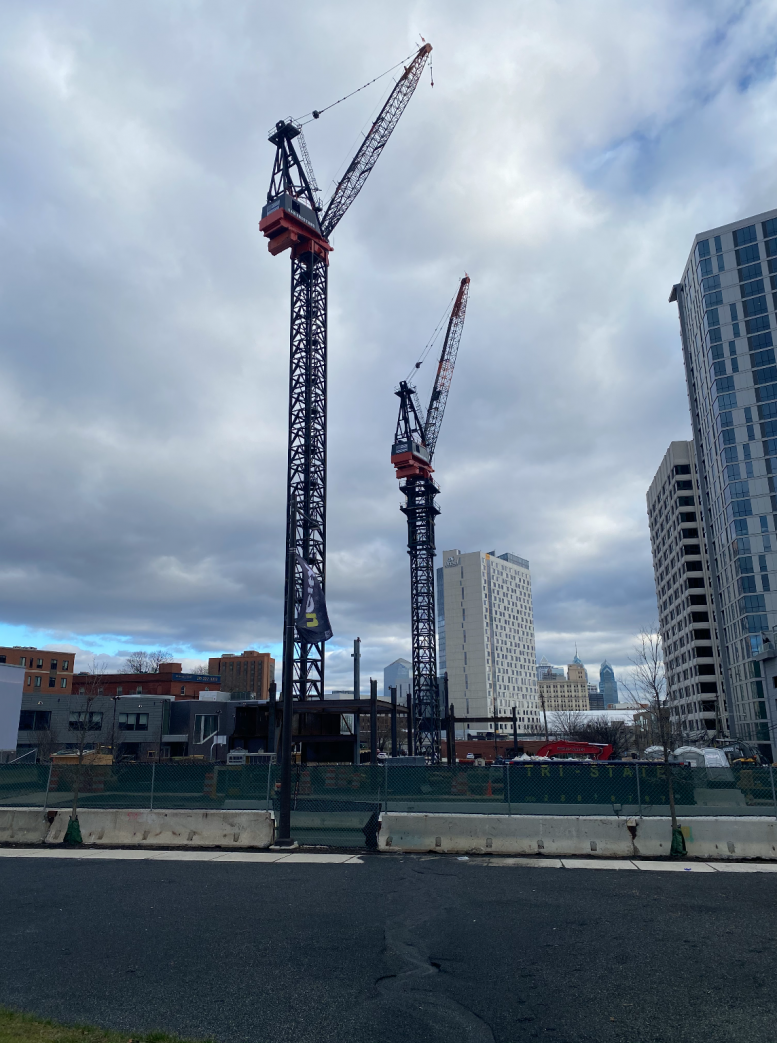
(726, 301)
(608, 686)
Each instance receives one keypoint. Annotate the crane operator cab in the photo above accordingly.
(289, 217)
(411, 459)
(409, 453)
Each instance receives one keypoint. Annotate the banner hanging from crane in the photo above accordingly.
(313, 620)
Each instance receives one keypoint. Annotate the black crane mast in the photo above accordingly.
(415, 440)
(292, 220)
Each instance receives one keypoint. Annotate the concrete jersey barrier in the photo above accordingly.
(23, 825)
(574, 836)
(229, 829)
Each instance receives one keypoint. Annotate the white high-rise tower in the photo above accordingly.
(485, 626)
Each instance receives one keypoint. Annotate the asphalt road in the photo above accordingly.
(396, 950)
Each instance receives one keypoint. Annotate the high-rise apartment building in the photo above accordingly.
(248, 675)
(727, 321)
(485, 626)
(694, 678)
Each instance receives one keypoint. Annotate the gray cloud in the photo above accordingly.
(565, 158)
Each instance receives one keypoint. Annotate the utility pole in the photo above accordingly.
(373, 721)
(544, 714)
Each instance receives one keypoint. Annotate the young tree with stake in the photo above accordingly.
(647, 687)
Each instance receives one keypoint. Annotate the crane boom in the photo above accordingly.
(442, 380)
(374, 142)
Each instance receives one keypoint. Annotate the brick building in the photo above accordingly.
(249, 674)
(169, 681)
(43, 669)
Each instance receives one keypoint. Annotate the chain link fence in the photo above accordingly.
(339, 804)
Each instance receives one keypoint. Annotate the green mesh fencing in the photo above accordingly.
(23, 785)
(337, 804)
(340, 804)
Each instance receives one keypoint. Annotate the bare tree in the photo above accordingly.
(147, 662)
(566, 724)
(575, 726)
(82, 721)
(604, 731)
(647, 687)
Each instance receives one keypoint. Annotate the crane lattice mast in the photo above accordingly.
(291, 220)
(415, 439)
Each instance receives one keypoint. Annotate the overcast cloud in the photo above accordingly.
(565, 158)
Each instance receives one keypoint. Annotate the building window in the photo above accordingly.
(139, 690)
(53, 664)
(83, 721)
(133, 722)
(2, 659)
(40, 664)
(65, 664)
(205, 725)
(34, 720)
(23, 660)
(63, 683)
(29, 679)
(52, 682)
(183, 689)
(120, 690)
(37, 682)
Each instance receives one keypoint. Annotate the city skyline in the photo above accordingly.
(143, 428)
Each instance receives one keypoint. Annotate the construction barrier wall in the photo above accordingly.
(340, 804)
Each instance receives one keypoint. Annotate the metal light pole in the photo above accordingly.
(356, 655)
(283, 835)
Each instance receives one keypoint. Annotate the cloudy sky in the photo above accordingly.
(565, 158)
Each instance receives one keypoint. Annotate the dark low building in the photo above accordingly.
(150, 727)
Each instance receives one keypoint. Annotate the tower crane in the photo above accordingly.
(294, 219)
(415, 440)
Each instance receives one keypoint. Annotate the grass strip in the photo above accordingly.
(16, 1027)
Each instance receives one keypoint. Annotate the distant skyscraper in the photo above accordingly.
(608, 686)
(565, 693)
(595, 698)
(546, 671)
(485, 626)
(398, 674)
(727, 318)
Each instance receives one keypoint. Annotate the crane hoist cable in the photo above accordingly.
(314, 114)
